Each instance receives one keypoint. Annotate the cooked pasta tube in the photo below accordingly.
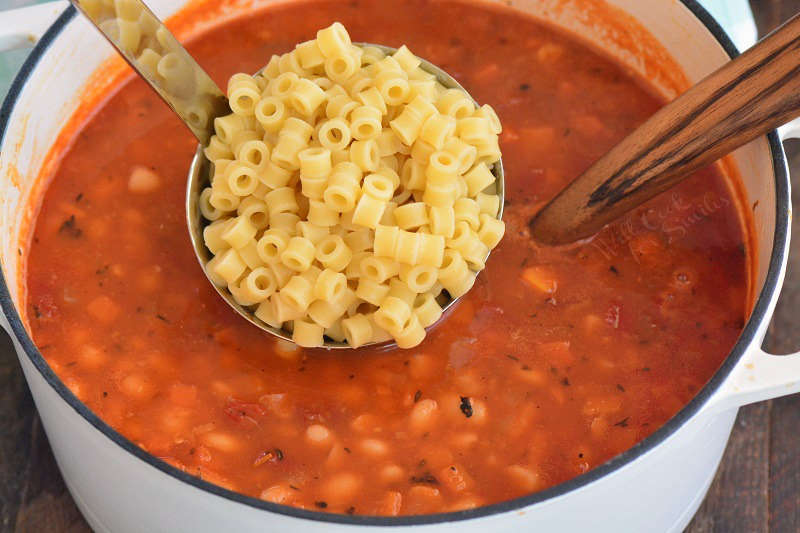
(349, 190)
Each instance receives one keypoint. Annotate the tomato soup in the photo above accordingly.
(556, 361)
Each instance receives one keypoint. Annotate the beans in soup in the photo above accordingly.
(557, 360)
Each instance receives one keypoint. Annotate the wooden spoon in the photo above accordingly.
(750, 95)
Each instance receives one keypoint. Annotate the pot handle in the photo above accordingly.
(790, 130)
(760, 375)
(23, 27)
(5, 325)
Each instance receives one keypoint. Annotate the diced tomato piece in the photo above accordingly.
(239, 410)
(45, 308)
(612, 316)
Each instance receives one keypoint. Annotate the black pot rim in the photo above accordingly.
(747, 337)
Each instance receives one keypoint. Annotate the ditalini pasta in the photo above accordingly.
(351, 194)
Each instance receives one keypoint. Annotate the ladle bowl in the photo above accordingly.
(197, 101)
(198, 179)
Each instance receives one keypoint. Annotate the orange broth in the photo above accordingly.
(557, 360)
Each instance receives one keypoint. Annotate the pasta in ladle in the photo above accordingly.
(350, 190)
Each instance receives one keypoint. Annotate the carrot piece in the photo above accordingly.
(540, 279)
(589, 125)
(549, 53)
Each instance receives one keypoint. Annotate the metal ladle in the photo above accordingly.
(197, 100)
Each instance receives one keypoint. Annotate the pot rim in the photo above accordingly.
(748, 335)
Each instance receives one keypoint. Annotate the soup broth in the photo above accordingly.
(556, 361)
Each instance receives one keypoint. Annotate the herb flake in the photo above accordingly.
(69, 227)
(466, 406)
(426, 477)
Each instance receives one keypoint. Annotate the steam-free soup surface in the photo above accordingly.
(556, 361)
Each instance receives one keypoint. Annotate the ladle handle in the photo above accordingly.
(157, 56)
(744, 99)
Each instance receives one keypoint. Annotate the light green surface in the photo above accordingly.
(734, 15)
(10, 62)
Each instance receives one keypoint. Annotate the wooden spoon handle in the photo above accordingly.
(747, 97)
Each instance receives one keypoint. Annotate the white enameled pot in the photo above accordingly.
(655, 486)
